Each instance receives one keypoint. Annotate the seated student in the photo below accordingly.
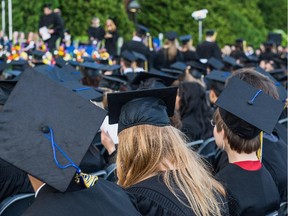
(194, 111)
(242, 113)
(275, 144)
(47, 137)
(162, 176)
(127, 62)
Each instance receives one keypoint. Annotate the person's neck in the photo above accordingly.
(234, 156)
(36, 183)
(209, 39)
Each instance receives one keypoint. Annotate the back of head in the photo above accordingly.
(143, 148)
(192, 96)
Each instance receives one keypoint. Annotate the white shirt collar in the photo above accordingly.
(36, 193)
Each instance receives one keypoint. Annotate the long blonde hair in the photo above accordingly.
(142, 148)
(171, 49)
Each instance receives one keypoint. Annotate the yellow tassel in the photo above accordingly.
(86, 179)
(259, 152)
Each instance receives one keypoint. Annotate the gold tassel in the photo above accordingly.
(86, 179)
(259, 152)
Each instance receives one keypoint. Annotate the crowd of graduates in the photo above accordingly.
(189, 131)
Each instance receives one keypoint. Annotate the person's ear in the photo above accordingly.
(212, 96)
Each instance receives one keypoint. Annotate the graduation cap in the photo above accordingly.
(185, 38)
(210, 32)
(74, 63)
(87, 92)
(197, 65)
(247, 110)
(173, 72)
(139, 57)
(69, 73)
(215, 63)
(167, 80)
(128, 56)
(231, 61)
(19, 65)
(281, 90)
(92, 68)
(48, 71)
(38, 54)
(88, 59)
(219, 76)
(171, 35)
(114, 82)
(275, 37)
(46, 129)
(60, 62)
(153, 107)
(142, 30)
(181, 66)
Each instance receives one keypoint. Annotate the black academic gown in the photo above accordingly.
(104, 198)
(189, 56)
(152, 197)
(207, 49)
(161, 59)
(249, 192)
(136, 46)
(274, 159)
(13, 181)
(111, 43)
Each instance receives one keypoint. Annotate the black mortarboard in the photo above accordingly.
(114, 82)
(69, 73)
(19, 65)
(164, 78)
(153, 106)
(38, 54)
(219, 76)
(142, 30)
(114, 67)
(3, 66)
(37, 107)
(197, 65)
(239, 40)
(215, 63)
(268, 43)
(171, 35)
(91, 65)
(139, 57)
(173, 72)
(88, 59)
(185, 38)
(179, 66)
(87, 92)
(231, 61)
(74, 63)
(247, 110)
(210, 32)
(127, 55)
(281, 90)
(60, 62)
(49, 71)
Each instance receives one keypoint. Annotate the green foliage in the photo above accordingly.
(274, 14)
(232, 19)
(77, 15)
(247, 19)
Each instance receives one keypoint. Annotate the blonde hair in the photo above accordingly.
(143, 148)
(171, 49)
(112, 27)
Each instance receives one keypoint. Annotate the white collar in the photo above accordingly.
(36, 193)
(136, 38)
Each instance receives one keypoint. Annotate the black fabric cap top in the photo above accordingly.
(142, 76)
(171, 35)
(127, 55)
(140, 107)
(185, 38)
(35, 105)
(240, 101)
(179, 66)
(220, 76)
(215, 63)
(210, 32)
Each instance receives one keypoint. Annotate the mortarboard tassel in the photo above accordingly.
(84, 179)
(260, 150)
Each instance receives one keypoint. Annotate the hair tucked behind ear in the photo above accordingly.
(143, 148)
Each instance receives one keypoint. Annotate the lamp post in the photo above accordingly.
(3, 17)
(199, 16)
(133, 8)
